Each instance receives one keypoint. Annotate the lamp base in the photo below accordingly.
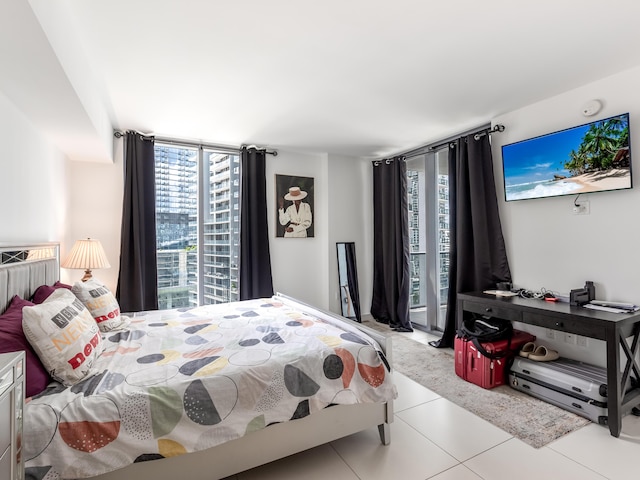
(87, 275)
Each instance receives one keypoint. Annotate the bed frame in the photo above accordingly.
(26, 267)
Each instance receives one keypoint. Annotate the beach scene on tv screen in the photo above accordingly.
(589, 158)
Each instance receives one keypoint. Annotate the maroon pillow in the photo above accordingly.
(12, 339)
(43, 292)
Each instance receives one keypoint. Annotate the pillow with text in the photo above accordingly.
(101, 303)
(64, 335)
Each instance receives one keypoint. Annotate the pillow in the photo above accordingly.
(101, 303)
(12, 339)
(43, 292)
(64, 335)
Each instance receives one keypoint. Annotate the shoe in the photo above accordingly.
(527, 349)
(543, 354)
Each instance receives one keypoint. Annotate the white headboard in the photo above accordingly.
(23, 268)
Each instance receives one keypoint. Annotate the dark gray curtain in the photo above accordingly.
(255, 260)
(478, 257)
(391, 267)
(137, 280)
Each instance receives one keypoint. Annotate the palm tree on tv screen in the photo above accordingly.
(600, 147)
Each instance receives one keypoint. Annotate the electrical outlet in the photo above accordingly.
(570, 338)
(581, 208)
(551, 333)
(582, 341)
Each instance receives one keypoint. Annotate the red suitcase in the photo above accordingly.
(473, 366)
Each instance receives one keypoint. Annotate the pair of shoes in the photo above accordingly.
(543, 354)
(527, 349)
(538, 353)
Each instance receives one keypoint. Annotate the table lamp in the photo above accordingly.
(85, 255)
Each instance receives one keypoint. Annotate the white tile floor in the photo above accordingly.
(432, 438)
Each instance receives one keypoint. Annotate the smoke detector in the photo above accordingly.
(591, 108)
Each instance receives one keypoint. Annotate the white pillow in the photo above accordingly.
(64, 335)
(101, 303)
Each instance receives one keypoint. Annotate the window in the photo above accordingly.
(197, 237)
(428, 191)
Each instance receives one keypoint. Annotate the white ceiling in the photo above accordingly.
(351, 77)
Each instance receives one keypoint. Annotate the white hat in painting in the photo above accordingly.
(295, 194)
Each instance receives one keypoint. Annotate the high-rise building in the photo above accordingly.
(443, 236)
(417, 237)
(221, 228)
(428, 209)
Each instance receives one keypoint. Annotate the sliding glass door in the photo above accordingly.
(428, 190)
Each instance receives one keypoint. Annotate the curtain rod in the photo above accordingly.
(175, 141)
(477, 135)
(430, 147)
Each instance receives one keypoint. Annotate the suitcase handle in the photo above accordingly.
(492, 356)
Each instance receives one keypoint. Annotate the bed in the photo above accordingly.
(203, 393)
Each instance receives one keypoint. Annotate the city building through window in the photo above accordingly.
(428, 192)
(197, 225)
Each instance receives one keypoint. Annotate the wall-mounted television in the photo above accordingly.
(593, 157)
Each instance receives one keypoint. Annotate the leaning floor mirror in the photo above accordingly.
(348, 280)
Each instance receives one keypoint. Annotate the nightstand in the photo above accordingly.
(11, 408)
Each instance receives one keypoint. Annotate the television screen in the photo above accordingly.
(588, 158)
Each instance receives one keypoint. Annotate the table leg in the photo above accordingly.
(614, 377)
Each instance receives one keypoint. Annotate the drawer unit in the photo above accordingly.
(6, 380)
(493, 310)
(564, 324)
(11, 411)
(6, 416)
(5, 460)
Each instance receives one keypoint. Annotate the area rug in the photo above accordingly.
(533, 421)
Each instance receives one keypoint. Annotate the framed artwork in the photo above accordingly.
(294, 206)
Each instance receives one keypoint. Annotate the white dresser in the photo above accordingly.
(11, 408)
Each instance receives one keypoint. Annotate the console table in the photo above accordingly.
(616, 329)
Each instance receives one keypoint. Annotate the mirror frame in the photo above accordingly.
(348, 291)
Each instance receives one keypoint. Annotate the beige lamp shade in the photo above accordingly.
(86, 254)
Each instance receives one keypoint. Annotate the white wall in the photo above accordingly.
(34, 188)
(550, 247)
(307, 268)
(350, 205)
(96, 131)
(95, 211)
(300, 266)
(45, 197)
